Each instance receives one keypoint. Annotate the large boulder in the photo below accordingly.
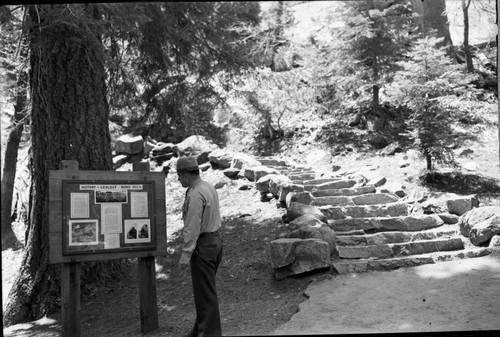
(128, 144)
(148, 145)
(262, 185)
(162, 148)
(300, 197)
(221, 158)
(276, 182)
(314, 229)
(461, 205)
(231, 172)
(197, 146)
(271, 183)
(256, 172)
(162, 152)
(242, 160)
(286, 189)
(305, 220)
(296, 209)
(480, 224)
(495, 242)
(297, 256)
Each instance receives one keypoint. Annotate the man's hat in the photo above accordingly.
(187, 164)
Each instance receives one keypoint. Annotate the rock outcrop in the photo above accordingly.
(481, 224)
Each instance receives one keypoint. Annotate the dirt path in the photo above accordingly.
(448, 296)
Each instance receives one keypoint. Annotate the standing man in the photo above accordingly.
(202, 248)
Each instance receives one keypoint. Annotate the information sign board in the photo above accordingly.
(100, 215)
(108, 216)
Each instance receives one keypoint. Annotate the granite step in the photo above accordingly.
(301, 177)
(364, 265)
(331, 185)
(356, 200)
(405, 223)
(393, 250)
(320, 181)
(395, 209)
(271, 161)
(344, 191)
(445, 231)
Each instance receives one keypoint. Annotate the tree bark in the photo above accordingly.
(69, 121)
(433, 16)
(468, 56)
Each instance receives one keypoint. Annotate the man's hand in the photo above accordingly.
(184, 262)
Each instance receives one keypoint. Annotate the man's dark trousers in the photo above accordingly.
(204, 263)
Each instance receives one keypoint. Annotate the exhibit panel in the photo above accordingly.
(100, 215)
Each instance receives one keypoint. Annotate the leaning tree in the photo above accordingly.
(69, 121)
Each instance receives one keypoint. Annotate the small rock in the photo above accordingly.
(466, 153)
(471, 166)
(220, 184)
(461, 205)
(128, 144)
(231, 172)
(378, 181)
(244, 187)
(449, 218)
(495, 241)
(204, 167)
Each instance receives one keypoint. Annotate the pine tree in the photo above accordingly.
(439, 94)
(362, 59)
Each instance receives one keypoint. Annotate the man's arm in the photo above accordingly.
(192, 227)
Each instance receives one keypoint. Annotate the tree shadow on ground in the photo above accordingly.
(460, 183)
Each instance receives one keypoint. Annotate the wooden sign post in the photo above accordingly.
(147, 282)
(70, 283)
(104, 215)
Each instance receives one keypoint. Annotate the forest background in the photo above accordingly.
(252, 78)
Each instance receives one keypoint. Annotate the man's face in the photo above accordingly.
(182, 177)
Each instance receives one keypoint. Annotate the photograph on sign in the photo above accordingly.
(80, 205)
(137, 231)
(105, 196)
(111, 218)
(83, 232)
(139, 204)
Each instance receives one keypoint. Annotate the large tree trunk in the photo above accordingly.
(433, 16)
(20, 87)
(9, 239)
(69, 122)
(468, 56)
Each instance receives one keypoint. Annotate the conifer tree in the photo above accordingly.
(439, 94)
(362, 58)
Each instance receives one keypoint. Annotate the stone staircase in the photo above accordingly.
(374, 228)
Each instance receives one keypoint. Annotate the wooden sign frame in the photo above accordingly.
(66, 185)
